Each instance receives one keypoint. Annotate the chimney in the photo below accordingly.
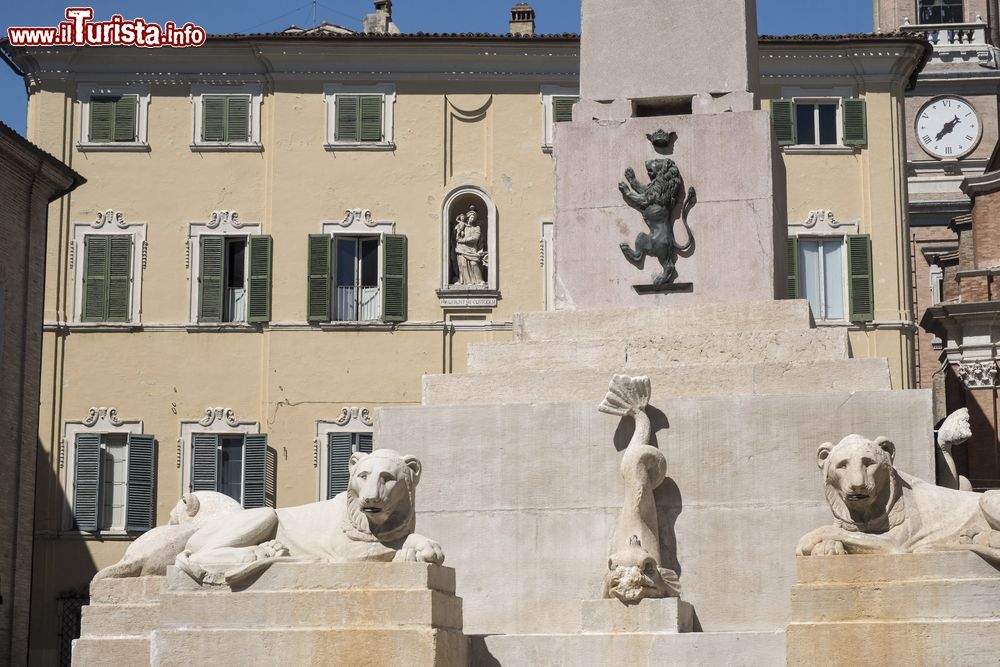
(381, 21)
(522, 19)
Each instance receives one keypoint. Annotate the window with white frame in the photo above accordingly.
(234, 464)
(336, 442)
(834, 274)
(819, 122)
(340, 446)
(231, 266)
(941, 11)
(360, 117)
(107, 261)
(110, 475)
(227, 117)
(357, 278)
(113, 117)
(557, 104)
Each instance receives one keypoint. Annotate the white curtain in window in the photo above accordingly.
(833, 279)
(115, 478)
(809, 275)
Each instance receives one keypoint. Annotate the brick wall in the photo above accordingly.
(28, 179)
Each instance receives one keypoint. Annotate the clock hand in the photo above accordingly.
(948, 127)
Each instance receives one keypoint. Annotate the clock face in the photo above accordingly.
(948, 127)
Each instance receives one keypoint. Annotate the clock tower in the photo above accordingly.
(951, 130)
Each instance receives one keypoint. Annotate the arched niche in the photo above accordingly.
(469, 258)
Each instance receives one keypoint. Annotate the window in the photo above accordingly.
(107, 277)
(339, 448)
(360, 117)
(227, 118)
(357, 278)
(941, 11)
(234, 278)
(234, 464)
(820, 122)
(816, 272)
(113, 118)
(558, 103)
(113, 482)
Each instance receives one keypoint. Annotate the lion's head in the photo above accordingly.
(664, 181)
(861, 483)
(381, 493)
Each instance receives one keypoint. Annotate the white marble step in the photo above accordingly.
(114, 651)
(626, 352)
(560, 385)
(119, 620)
(659, 320)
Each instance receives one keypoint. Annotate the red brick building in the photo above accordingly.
(966, 326)
(29, 180)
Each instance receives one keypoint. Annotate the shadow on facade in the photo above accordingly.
(62, 567)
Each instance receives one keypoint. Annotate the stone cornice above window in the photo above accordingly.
(823, 223)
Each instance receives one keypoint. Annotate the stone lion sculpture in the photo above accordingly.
(657, 202)
(372, 521)
(881, 510)
(955, 430)
(151, 553)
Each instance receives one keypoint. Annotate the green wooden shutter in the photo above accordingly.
(126, 116)
(562, 108)
(371, 118)
(119, 278)
(238, 119)
(254, 470)
(259, 281)
(783, 121)
(211, 264)
(102, 119)
(339, 447)
(318, 307)
(140, 506)
(348, 111)
(204, 462)
(859, 267)
(394, 278)
(87, 482)
(213, 118)
(855, 123)
(365, 443)
(96, 251)
(793, 268)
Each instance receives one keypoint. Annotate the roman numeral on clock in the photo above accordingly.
(926, 138)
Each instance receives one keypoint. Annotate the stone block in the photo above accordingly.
(708, 649)
(678, 380)
(635, 49)
(116, 651)
(315, 613)
(739, 252)
(669, 615)
(301, 608)
(331, 577)
(346, 647)
(927, 608)
(119, 620)
(538, 487)
(692, 320)
(650, 352)
(129, 590)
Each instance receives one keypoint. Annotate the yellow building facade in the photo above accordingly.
(265, 252)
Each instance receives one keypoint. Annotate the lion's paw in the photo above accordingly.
(829, 548)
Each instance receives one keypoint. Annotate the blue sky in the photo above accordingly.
(220, 16)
